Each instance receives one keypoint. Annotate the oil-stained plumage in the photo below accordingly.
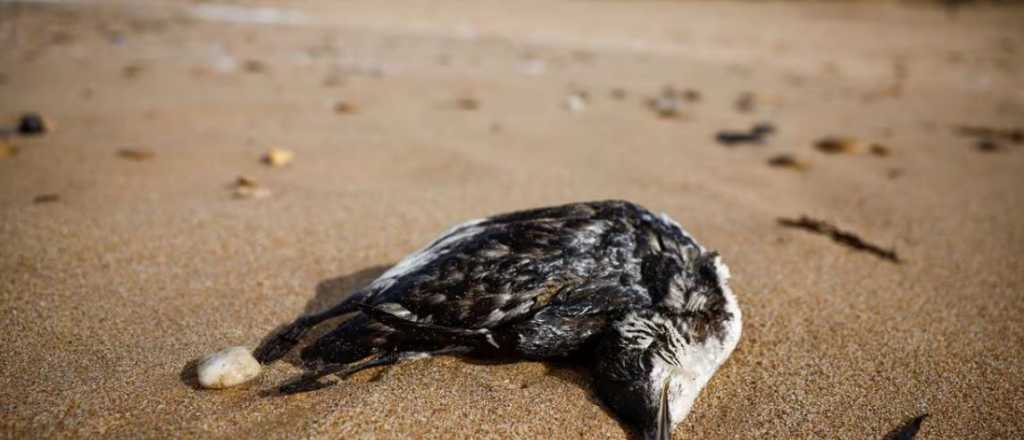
(606, 281)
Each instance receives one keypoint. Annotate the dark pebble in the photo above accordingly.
(31, 124)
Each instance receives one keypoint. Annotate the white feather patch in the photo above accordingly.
(420, 258)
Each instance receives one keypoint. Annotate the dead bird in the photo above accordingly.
(608, 281)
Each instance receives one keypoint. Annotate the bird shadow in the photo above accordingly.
(332, 291)
(328, 292)
(188, 375)
(571, 370)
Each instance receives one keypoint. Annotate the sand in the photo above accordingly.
(111, 292)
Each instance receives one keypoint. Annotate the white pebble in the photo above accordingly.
(227, 368)
(575, 102)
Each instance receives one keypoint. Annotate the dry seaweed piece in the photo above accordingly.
(850, 145)
(788, 161)
(46, 198)
(730, 137)
(907, 430)
(836, 145)
(1014, 135)
(756, 135)
(840, 236)
(135, 154)
(988, 146)
(31, 124)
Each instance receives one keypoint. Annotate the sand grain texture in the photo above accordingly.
(112, 291)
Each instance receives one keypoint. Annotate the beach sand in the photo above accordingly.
(458, 110)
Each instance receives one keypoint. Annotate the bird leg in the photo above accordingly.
(311, 381)
(283, 341)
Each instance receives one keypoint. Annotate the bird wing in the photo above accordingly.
(503, 269)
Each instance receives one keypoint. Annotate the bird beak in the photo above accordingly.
(662, 430)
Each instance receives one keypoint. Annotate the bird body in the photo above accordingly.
(607, 280)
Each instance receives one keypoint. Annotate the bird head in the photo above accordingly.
(653, 363)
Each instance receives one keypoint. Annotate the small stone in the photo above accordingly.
(246, 188)
(229, 367)
(7, 150)
(665, 106)
(278, 157)
(576, 102)
(31, 124)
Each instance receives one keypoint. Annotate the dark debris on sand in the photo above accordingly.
(757, 135)
(788, 161)
(1014, 135)
(135, 154)
(745, 103)
(669, 103)
(31, 124)
(845, 238)
(989, 140)
(467, 103)
(46, 198)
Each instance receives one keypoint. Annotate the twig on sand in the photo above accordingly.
(842, 237)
